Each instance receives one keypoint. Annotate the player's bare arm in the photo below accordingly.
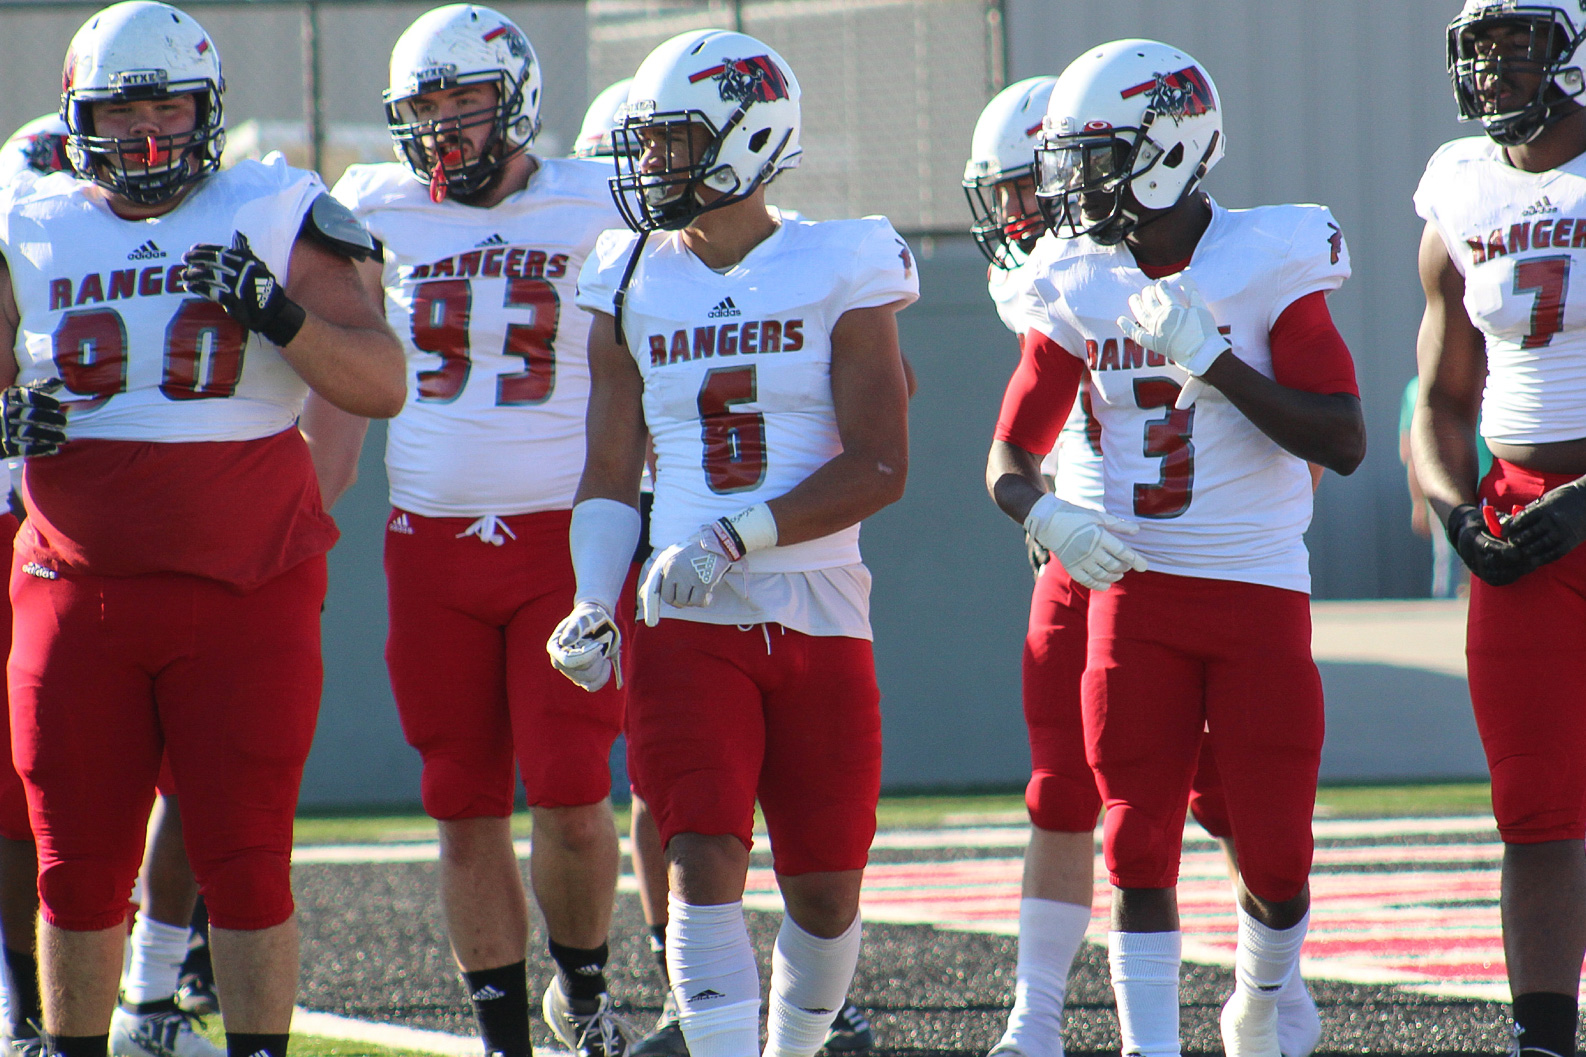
(335, 437)
(1452, 360)
(1014, 479)
(870, 396)
(10, 322)
(1328, 429)
(344, 351)
(614, 426)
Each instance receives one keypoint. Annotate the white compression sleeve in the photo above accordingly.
(602, 538)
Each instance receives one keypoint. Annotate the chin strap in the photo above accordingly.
(621, 296)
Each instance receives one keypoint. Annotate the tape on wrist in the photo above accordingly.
(287, 322)
(750, 529)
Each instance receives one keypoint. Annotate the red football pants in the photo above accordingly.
(1173, 661)
(1061, 795)
(1526, 649)
(721, 715)
(107, 674)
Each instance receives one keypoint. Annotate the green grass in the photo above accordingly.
(925, 811)
(316, 1045)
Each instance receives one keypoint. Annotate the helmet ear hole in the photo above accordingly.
(758, 140)
(1175, 157)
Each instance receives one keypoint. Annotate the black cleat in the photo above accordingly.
(666, 1040)
(850, 1032)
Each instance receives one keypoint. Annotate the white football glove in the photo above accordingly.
(587, 646)
(686, 573)
(1080, 541)
(1171, 317)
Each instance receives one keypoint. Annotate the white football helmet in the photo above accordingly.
(1553, 30)
(739, 92)
(594, 135)
(1131, 115)
(39, 146)
(142, 50)
(1003, 150)
(452, 46)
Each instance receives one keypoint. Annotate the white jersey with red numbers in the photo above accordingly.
(498, 374)
(1519, 238)
(1214, 496)
(1075, 463)
(737, 384)
(103, 309)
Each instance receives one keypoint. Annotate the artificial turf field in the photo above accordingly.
(374, 947)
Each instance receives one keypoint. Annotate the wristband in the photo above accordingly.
(288, 321)
(750, 529)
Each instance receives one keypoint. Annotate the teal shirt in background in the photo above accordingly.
(1407, 411)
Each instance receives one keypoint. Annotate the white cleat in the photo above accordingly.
(1299, 1025)
(1250, 1026)
(161, 1030)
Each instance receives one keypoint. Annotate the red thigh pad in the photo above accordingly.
(1061, 794)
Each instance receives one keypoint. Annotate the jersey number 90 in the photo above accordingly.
(203, 353)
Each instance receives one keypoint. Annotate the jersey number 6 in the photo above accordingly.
(734, 440)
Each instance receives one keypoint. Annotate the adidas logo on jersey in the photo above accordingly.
(400, 525)
(725, 310)
(706, 995)
(1540, 206)
(487, 993)
(146, 252)
(493, 240)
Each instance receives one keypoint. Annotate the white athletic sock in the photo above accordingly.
(158, 951)
(1266, 957)
(809, 980)
(1145, 983)
(1299, 1025)
(714, 980)
(1049, 936)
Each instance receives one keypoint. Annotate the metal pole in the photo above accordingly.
(313, 111)
(997, 43)
(737, 16)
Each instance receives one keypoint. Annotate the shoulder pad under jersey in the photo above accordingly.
(333, 225)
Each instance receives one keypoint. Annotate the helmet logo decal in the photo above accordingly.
(203, 45)
(1098, 126)
(1179, 95)
(517, 44)
(138, 79)
(1033, 129)
(755, 80)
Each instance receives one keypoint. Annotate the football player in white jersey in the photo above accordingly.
(174, 520)
(1063, 802)
(483, 243)
(761, 354)
(1502, 350)
(1199, 626)
(169, 945)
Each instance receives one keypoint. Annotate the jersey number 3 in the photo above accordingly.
(1168, 439)
(441, 310)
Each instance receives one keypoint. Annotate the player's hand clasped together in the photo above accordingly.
(1082, 541)
(1496, 560)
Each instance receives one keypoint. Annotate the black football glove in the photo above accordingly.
(1552, 526)
(238, 281)
(34, 422)
(1037, 554)
(1492, 560)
